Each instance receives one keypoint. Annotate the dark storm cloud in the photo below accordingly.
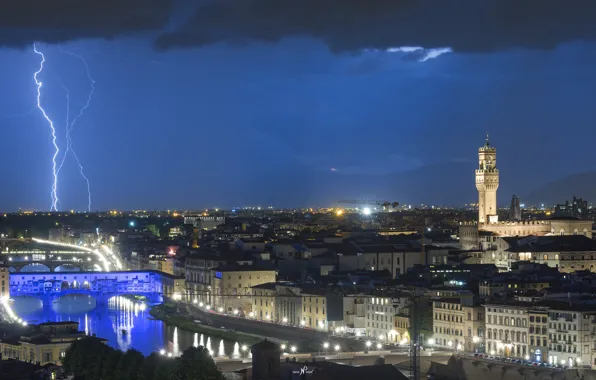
(350, 25)
(23, 22)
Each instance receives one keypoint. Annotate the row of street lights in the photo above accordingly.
(292, 348)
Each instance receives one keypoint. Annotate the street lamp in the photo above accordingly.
(379, 346)
(431, 341)
(235, 312)
(326, 345)
(368, 343)
(337, 347)
(220, 309)
(283, 347)
(200, 304)
(302, 322)
(162, 352)
(293, 349)
(285, 320)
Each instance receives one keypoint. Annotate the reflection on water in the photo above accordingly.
(124, 323)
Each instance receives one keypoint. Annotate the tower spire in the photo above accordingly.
(487, 142)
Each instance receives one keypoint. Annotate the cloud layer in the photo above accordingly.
(352, 25)
(23, 22)
(344, 25)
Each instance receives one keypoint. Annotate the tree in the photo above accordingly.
(109, 367)
(129, 364)
(196, 364)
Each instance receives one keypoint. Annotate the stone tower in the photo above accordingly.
(515, 209)
(265, 361)
(487, 183)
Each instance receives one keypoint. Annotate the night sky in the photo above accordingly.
(295, 103)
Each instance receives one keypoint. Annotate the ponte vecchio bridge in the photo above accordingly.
(153, 285)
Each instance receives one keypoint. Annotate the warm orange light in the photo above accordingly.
(339, 212)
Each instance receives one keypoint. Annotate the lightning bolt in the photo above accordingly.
(70, 126)
(54, 192)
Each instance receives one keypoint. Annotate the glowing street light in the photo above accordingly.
(302, 322)
(220, 309)
(431, 341)
(283, 347)
(169, 354)
(379, 346)
(244, 348)
(200, 304)
(366, 211)
(235, 312)
(285, 320)
(208, 307)
(162, 352)
(326, 345)
(368, 343)
(337, 347)
(293, 349)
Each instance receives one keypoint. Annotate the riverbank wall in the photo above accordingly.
(169, 315)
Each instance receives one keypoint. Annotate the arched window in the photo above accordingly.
(556, 256)
(545, 257)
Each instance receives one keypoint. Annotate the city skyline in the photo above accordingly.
(294, 117)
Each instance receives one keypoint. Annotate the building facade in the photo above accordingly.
(507, 330)
(263, 302)
(232, 286)
(458, 324)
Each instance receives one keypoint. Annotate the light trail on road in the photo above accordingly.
(100, 255)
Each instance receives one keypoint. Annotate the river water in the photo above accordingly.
(124, 323)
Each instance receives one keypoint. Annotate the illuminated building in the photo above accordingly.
(45, 343)
(232, 285)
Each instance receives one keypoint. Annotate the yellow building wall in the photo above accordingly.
(233, 291)
(51, 353)
(314, 311)
(263, 304)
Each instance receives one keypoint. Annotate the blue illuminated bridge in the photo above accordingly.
(102, 286)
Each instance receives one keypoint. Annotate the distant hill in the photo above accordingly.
(581, 185)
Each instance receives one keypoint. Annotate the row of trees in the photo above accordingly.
(91, 359)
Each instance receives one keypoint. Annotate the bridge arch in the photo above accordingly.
(67, 268)
(35, 267)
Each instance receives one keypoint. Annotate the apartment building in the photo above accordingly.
(458, 324)
(382, 310)
(263, 302)
(538, 332)
(314, 309)
(232, 285)
(507, 330)
(571, 330)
